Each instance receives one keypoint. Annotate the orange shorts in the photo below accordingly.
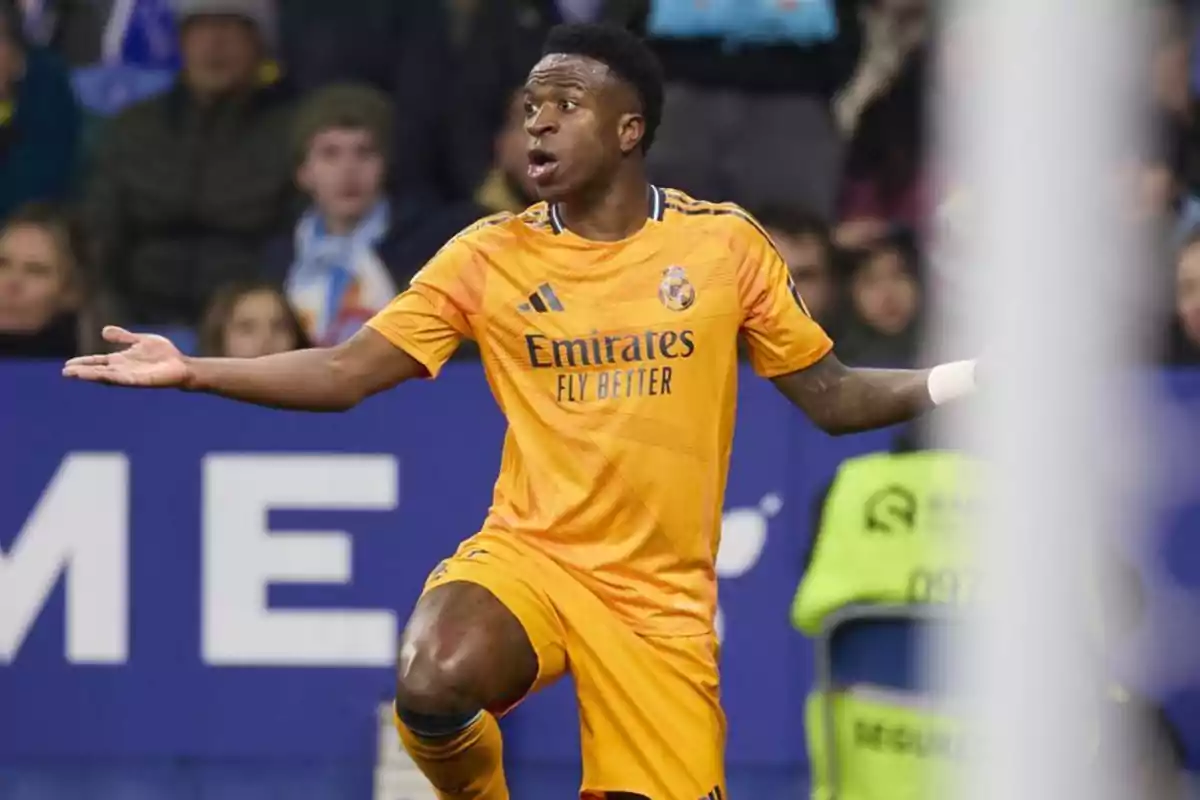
(649, 708)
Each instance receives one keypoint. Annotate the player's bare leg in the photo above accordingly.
(463, 652)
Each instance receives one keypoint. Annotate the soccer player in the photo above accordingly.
(608, 318)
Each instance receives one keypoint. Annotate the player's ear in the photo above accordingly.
(631, 129)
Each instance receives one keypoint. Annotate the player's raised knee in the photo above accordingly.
(448, 659)
(463, 651)
(438, 678)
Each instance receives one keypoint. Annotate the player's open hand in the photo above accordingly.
(147, 360)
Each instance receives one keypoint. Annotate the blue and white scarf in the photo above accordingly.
(337, 283)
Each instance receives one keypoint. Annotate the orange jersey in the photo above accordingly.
(615, 364)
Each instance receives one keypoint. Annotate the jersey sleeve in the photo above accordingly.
(781, 335)
(430, 318)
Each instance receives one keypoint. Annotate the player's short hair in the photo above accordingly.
(344, 106)
(623, 53)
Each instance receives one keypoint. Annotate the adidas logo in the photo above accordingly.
(541, 301)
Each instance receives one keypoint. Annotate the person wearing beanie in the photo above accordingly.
(354, 248)
(189, 185)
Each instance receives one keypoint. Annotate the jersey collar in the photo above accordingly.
(658, 207)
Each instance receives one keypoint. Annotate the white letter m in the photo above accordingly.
(79, 529)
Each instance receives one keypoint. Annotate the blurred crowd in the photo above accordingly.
(248, 176)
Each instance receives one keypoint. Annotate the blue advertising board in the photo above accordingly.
(187, 578)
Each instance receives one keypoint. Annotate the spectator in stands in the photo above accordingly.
(886, 303)
(393, 45)
(39, 120)
(187, 186)
(1163, 189)
(746, 119)
(1170, 84)
(1161, 200)
(803, 240)
(881, 114)
(353, 249)
(43, 308)
(1185, 330)
(250, 319)
(508, 186)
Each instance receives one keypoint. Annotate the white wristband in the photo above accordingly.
(952, 381)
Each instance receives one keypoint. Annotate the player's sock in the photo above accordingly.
(464, 762)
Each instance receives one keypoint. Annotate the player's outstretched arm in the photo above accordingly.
(841, 400)
(318, 379)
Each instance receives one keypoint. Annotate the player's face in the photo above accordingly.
(343, 173)
(34, 282)
(580, 121)
(1187, 292)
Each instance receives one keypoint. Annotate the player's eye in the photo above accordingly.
(529, 109)
(567, 105)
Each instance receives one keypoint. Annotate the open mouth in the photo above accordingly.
(542, 164)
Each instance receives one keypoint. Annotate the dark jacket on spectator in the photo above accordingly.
(885, 160)
(1181, 351)
(183, 197)
(58, 340)
(862, 346)
(38, 144)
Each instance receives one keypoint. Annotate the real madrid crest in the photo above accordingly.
(676, 292)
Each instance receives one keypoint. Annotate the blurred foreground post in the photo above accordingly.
(1042, 118)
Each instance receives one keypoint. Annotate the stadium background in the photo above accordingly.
(145, 667)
